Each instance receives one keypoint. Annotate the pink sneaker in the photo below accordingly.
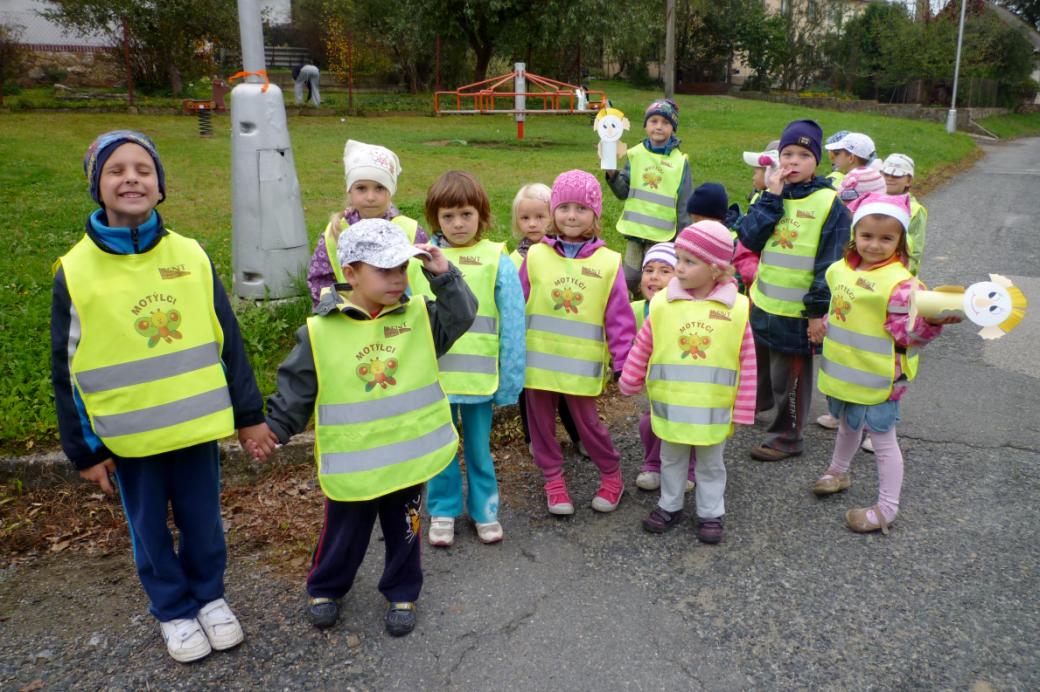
(559, 500)
(611, 488)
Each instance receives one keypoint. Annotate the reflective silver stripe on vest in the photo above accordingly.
(484, 325)
(792, 295)
(781, 259)
(464, 362)
(164, 415)
(644, 220)
(148, 369)
(846, 337)
(560, 325)
(368, 411)
(854, 376)
(387, 455)
(570, 366)
(651, 197)
(694, 415)
(703, 374)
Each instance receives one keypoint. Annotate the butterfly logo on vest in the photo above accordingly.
(652, 178)
(841, 308)
(377, 373)
(694, 345)
(567, 298)
(784, 238)
(160, 325)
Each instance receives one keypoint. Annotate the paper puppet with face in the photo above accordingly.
(610, 125)
(996, 305)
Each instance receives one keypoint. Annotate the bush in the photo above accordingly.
(52, 74)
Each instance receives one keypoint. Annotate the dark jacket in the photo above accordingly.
(788, 334)
(290, 408)
(83, 448)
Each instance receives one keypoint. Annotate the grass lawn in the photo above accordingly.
(45, 202)
(1013, 125)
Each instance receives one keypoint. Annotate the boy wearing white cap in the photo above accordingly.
(371, 173)
(366, 363)
(898, 171)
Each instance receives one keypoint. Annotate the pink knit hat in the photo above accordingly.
(858, 183)
(709, 241)
(579, 187)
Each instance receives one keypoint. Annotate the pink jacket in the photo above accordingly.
(633, 377)
(897, 323)
(618, 321)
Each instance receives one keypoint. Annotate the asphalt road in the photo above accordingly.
(790, 599)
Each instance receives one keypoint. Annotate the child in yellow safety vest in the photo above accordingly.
(579, 329)
(531, 221)
(658, 270)
(366, 365)
(798, 227)
(372, 172)
(655, 184)
(869, 352)
(696, 355)
(898, 171)
(485, 367)
(149, 372)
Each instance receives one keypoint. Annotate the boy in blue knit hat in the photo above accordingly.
(655, 184)
(799, 227)
(149, 371)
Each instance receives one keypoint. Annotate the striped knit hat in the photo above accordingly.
(662, 252)
(708, 241)
(858, 183)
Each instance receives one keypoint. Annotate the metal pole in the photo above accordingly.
(520, 99)
(951, 117)
(252, 34)
(437, 69)
(669, 49)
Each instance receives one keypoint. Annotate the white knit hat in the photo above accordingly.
(371, 162)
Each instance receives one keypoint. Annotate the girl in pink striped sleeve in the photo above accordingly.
(696, 356)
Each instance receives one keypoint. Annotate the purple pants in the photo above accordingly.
(652, 449)
(541, 417)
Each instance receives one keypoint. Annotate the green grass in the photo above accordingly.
(1013, 125)
(45, 201)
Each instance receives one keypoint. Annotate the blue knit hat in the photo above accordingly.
(667, 109)
(804, 133)
(709, 200)
(103, 146)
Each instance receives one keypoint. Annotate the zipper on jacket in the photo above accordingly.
(133, 238)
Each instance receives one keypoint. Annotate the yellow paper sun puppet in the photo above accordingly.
(996, 305)
(610, 124)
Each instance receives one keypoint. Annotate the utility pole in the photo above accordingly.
(669, 49)
(951, 117)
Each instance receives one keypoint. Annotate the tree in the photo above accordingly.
(170, 39)
(483, 23)
(11, 55)
(1028, 10)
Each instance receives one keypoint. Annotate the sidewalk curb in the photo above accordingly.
(48, 469)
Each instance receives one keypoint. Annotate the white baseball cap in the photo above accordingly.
(898, 165)
(856, 143)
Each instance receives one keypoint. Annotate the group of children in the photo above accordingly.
(419, 333)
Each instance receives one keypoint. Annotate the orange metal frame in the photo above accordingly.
(554, 97)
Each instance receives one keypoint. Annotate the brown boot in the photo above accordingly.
(830, 483)
(859, 522)
(764, 453)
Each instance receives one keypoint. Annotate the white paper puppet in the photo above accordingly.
(996, 305)
(610, 124)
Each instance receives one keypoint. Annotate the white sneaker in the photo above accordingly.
(867, 445)
(827, 421)
(185, 639)
(490, 532)
(442, 531)
(648, 480)
(220, 625)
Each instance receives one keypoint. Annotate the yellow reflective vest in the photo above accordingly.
(785, 266)
(382, 420)
(694, 370)
(639, 310)
(517, 258)
(566, 339)
(653, 190)
(471, 366)
(147, 365)
(915, 234)
(406, 224)
(835, 177)
(858, 354)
